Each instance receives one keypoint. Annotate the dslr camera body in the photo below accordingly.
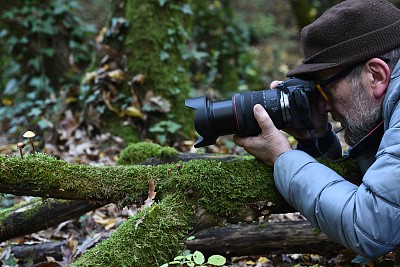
(287, 105)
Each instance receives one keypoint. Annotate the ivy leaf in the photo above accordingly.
(60, 9)
(162, 138)
(48, 26)
(36, 82)
(11, 87)
(198, 257)
(35, 63)
(35, 112)
(216, 260)
(186, 9)
(162, 2)
(164, 56)
(48, 51)
(178, 258)
(172, 127)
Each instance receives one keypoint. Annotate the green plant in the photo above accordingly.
(196, 259)
(164, 129)
(221, 55)
(47, 45)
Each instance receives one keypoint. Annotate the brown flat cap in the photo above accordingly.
(347, 34)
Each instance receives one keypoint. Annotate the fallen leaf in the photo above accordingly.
(133, 112)
(88, 243)
(151, 194)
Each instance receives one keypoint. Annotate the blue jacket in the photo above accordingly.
(364, 218)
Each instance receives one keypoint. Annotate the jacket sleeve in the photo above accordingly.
(364, 218)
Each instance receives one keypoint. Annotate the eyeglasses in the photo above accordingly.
(321, 87)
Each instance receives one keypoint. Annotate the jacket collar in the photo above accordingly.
(392, 96)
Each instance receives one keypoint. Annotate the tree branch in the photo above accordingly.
(39, 215)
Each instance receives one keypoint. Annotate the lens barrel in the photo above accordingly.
(235, 116)
(274, 102)
(287, 104)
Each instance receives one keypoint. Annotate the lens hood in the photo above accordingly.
(202, 121)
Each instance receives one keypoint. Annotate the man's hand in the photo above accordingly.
(269, 144)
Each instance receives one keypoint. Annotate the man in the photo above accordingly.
(351, 52)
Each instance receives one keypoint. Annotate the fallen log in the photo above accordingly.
(39, 253)
(40, 214)
(287, 237)
(16, 224)
(153, 236)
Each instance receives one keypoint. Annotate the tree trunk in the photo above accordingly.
(155, 46)
(302, 12)
(153, 236)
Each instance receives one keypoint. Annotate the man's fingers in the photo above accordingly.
(263, 119)
(238, 140)
(275, 84)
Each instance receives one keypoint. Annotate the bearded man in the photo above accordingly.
(352, 53)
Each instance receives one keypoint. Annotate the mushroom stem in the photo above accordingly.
(33, 147)
(20, 146)
(30, 135)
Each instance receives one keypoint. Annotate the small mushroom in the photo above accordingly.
(30, 135)
(20, 146)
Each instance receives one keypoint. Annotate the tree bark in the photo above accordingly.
(263, 239)
(39, 215)
(302, 12)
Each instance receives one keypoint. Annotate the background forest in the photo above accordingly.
(109, 70)
(90, 77)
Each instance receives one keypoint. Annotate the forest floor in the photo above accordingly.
(101, 222)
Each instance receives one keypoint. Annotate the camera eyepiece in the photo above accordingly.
(286, 105)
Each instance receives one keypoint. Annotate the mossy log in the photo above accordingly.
(31, 217)
(155, 235)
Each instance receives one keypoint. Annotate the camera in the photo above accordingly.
(287, 104)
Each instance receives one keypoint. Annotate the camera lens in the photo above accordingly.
(235, 116)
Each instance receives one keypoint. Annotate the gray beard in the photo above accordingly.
(360, 119)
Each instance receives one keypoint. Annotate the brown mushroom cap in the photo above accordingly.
(29, 134)
(20, 145)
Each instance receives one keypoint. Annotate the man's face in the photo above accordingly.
(354, 108)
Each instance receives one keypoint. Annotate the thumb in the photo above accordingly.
(263, 119)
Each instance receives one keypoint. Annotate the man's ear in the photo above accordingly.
(377, 76)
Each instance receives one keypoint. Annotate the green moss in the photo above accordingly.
(221, 187)
(151, 238)
(48, 176)
(139, 152)
(224, 188)
(30, 209)
(155, 43)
